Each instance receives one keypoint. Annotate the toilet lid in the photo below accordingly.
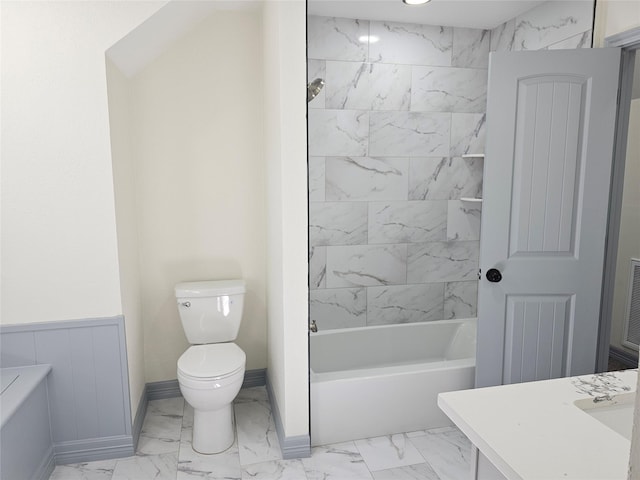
(213, 360)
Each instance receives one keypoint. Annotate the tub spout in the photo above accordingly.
(313, 327)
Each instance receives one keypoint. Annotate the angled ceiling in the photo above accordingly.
(145, 43)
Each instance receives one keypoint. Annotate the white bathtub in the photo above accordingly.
(26, 448)
(373, 381)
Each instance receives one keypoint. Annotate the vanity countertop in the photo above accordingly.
(535, 431)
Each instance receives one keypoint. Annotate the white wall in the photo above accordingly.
(197, 131)
(615, 16)
(59, 248)
(284, 75)
(126, 226)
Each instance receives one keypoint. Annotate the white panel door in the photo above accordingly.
(550, 135)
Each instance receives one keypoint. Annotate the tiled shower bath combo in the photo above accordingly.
(396, 144)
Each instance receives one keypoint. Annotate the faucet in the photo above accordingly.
(313, 327)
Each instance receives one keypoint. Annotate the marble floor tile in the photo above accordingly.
(256, 431)
(275, 470)
(340, 461)
(447, 450)
(161, 428)
(390, 451)
(253, 394)
(147, 467)
(223, 466)
(167, 407)
(100, 470)
(438, 454)
(187, 418)
(419, 471)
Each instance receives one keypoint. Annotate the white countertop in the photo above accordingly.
(534, 431)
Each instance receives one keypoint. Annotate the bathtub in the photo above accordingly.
(372, 381)
(25, 436)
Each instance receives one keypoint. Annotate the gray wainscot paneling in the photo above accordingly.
(88, 387)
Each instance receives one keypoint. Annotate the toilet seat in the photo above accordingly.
(212, 361)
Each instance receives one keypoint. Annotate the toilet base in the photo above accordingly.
(213, 430)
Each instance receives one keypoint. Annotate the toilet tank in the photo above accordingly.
(210, 311)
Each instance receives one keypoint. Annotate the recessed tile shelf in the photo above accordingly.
(472, 155)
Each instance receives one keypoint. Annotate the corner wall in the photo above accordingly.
(126, 226)
(286, 153)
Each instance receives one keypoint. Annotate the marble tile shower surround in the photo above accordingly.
(390, 240)
(438, 454)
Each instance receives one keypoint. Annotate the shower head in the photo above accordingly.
(313, 89)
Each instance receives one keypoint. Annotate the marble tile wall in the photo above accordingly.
(552, 25)
(390, 239)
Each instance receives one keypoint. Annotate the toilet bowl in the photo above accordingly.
(210, 377)
(211, 372)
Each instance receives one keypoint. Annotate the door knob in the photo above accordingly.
(494, 275)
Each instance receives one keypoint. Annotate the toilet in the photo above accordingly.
(211, 370)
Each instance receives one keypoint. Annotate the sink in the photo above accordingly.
(616, 413)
